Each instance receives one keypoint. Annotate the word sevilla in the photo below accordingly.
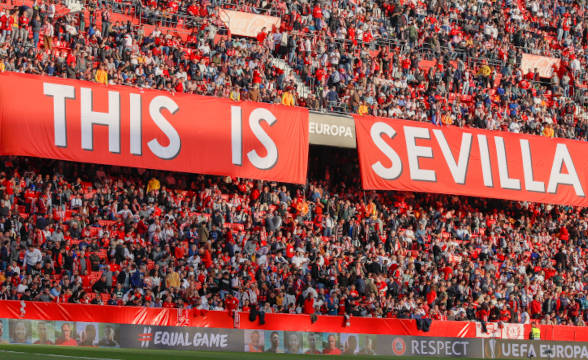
(408, 156)
(458, 168)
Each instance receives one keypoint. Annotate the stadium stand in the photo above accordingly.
(90, 234)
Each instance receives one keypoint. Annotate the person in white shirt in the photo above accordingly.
(125, 212)
(298, 260)
(32, 256)
(76, 202)
(514, 126)
(22, 287)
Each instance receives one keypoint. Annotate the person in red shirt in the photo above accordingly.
(168, 303)
(65, 339)
(332, 348)
(535, 308)
(4, 28)
(231, 304)
(505, 315)
(353, 293)
(309, 305)
(431, 296)
(317, 14)
(483, 313)
(23, 22)
(193, 10)
(262, 35)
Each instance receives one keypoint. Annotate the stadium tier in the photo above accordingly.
(510, 65)
(177, 170)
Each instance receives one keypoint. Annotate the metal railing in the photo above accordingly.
(242, 6)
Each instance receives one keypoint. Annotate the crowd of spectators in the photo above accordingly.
(451, 62)
(84, 233)
(90, 234)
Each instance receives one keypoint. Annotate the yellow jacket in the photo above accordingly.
(485, 70)
(287, 99)
(363, 109)
(153, 184)
(235, 95)
(101, 77)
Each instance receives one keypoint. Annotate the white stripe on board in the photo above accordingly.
(56, 355)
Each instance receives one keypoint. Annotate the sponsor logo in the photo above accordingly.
(330, 129)
(444, 348)
(502, 331)
(398, 346)
(182, 339)
(543, 351)
(145, 338)
(513, 331)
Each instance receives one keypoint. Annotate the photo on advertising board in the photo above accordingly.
(253, 340)
(43, 332)
(87, 333)
(3, 331)
(293, 342)
(274, 342)
(331, 344)
(367, 344)
(65, 333)
(109, 335)
(313, 343)
(20, 331)
(350, 344)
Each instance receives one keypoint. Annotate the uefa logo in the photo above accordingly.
(398, 346)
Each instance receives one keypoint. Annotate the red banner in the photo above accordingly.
(116, 125)
(286, 322)
(412, 156)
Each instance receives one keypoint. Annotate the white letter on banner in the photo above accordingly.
(505, 181)
(395, 170)
(175, 143)
(236, 136)
(458, 170)
(111, 119)
(530, 183)
(562, 157)
(136, 119)
(414, 152)
(269, 161)
(485, 161)
(59, 93)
